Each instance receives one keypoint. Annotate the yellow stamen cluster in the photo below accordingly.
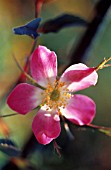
(56, 95)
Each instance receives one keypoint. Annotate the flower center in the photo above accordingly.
(56, 95)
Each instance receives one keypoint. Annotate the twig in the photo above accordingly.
(78, 55)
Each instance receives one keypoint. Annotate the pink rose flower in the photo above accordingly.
(57, 98)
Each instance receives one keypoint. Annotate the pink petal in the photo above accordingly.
(79, 77)
(46, 126)
(80, 110)
(43, 65)
(24, 98)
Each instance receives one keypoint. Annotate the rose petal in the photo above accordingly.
(79, 77)
(46, 126)
(80, 110)
(43, 65)
(24, 98)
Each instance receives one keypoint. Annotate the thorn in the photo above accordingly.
(57, 148)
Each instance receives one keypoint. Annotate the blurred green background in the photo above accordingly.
(90, 149)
